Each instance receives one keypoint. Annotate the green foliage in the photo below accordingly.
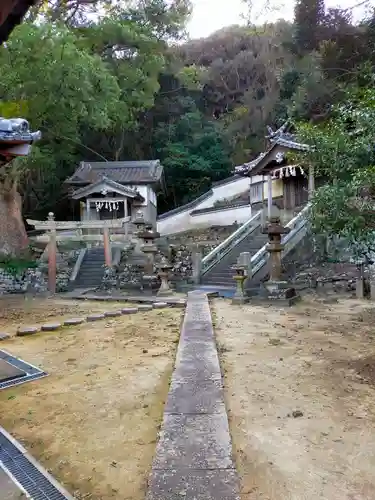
(16, 266)
(308, 16)
(343, 152)
(193, 152)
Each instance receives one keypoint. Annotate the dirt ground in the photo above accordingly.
(93, 421)
(300, 393)
(20, 311)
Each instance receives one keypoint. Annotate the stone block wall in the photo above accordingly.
(30, 280)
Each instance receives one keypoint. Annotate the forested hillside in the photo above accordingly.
(118, 82)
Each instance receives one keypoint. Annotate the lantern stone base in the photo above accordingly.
(165, 292)
(150, 284)
(239, 300)
(278, 293)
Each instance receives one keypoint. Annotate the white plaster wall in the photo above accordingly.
(172, 224)
(151, 196)
(175, 222)
(225, 217)
(142, 190)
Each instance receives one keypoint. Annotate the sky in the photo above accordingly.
(211, 15)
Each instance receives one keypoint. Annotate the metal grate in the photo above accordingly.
(32, 372)
(28, 475)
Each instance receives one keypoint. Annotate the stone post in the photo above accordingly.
(360, 284)
(311, 186)
(371, 279)
(269, 199)
(239, 277)
(107, 247)
(197, 265)
(245, 260)
(52, 255)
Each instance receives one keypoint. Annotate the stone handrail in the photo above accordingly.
(78, 263)
(233, 240)
(298, 228)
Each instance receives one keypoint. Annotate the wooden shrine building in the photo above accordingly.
(114, 190)
(289, 185)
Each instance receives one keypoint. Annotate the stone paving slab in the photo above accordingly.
(193, 485)
(191, 332)
(74, 321)
(95, 317)
(145, 307)
(194, 441)
(193, 458)
(160, 305)
(112, 314)
(50, 327)
(199, 396)
(27, 330)
(198, 361)
(129, 310)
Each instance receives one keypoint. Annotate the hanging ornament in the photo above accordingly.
(279, 157)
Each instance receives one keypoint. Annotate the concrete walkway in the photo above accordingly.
(193, 459)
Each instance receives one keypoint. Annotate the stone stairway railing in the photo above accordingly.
(298, 229)
(217, 254)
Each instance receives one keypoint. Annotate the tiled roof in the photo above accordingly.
(104, 181)
(123, 172)
(11, 13)
(283, 139)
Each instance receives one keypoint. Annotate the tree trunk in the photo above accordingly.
(13, 236)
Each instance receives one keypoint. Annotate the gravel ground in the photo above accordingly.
(300, 393)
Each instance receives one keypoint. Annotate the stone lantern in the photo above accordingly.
(164, 268)
(148, 236)
(277, 289)
(239, 277)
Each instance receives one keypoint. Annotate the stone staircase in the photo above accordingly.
(91, 271)
(222, 273)
(216, 266)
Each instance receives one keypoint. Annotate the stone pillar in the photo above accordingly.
(269, 199)
(244, 260)
(52, 255)
(311, 182)
(250, 196)
(197, 265)
(107, 247)
(88, 215)
(263, 207)
(371, 279)
(239, 277)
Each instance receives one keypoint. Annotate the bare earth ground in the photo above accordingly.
(94, 421)
(300, 393)
(20, 311)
